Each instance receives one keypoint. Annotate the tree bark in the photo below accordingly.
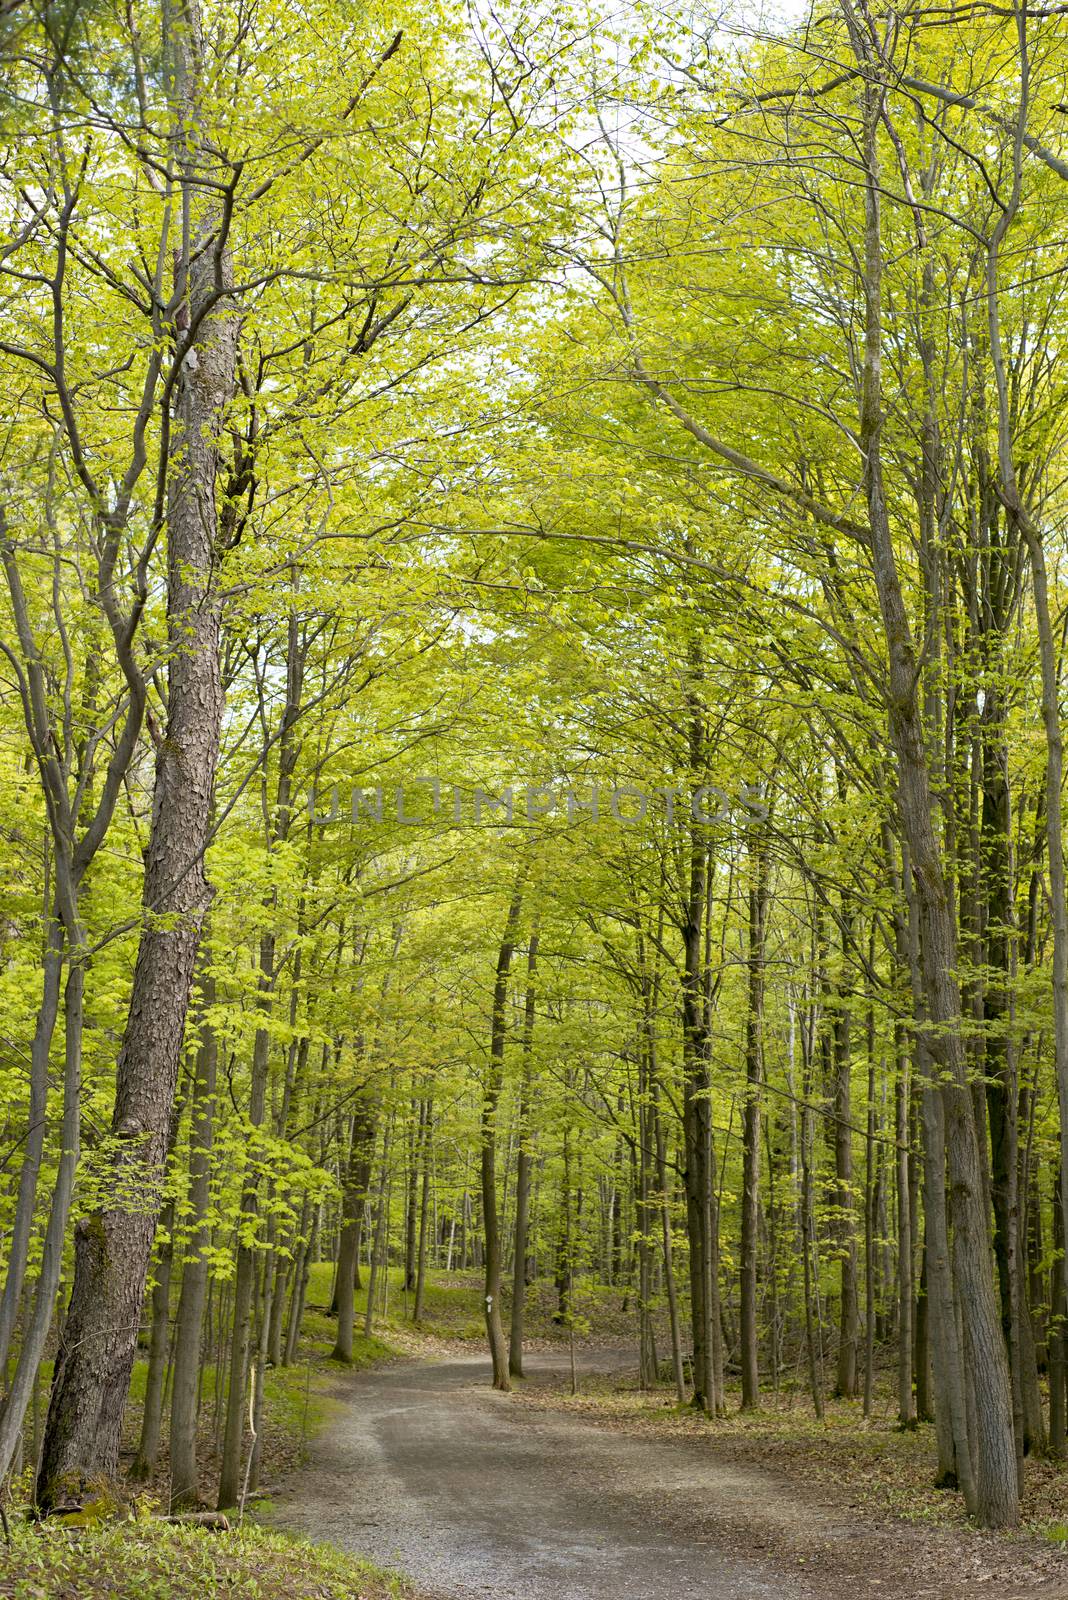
(114, 1245)
(357, 1183)
(189, 1322)
(906, 1404)
(696, 1112)
(997, 1488)
(849, 1316)
(36, 1127)
(488, 1130)
(425, 1149)
(524, 1160)
(1058, 1420)
(35, 1335)
(159, 1348)
(751, 1120)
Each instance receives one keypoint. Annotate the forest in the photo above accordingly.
(533, 656)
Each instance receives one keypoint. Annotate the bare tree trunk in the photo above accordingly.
(806, 1228)
(869, 1207)
(488, 1125)
(278, 825)
(245, 1275)
(189, 1323)
(411, 1196)
(283, 1270)
(696, 1113)
(848, 1330)
(751, 1120)
(425, 1150)
(37, 1125)
(647, 1373)
(1058, 1442)
(951, 1416)
(954, 1467)
(361, 1156)
(158, 1351)
(524, 1160)
(113, 1246)
(35, 1335)
(297, 1299)
(1058, 880)
(995, 1454)
(1021, 519)
(380, 1241)
(906, 1405)
(678, 1370)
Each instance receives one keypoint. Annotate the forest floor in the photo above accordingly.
(122, 1551)
(615, 1495)
(412, 1462)
(848, 1501)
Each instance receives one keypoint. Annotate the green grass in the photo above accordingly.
(452, 1309)
(150, 1560)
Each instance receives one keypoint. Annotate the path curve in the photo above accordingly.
(423, 1467)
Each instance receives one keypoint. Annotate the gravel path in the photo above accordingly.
(425, 1468)
(474, 1494)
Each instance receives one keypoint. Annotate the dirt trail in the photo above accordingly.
(425, 1468)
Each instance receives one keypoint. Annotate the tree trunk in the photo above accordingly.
(678, 1370)
(36, 1127)
(807, 1230)
(358, 1178)
(380, 1241)
(869, 1220)
(696, 1114)
(524, 1161)
(425, 1147)
(997, 1487)
(952, 1414)
(301, 1276)
(906, 1405)
(411, 1196)
(159, 1348)
(189, 1323)
(1058, 886)
(488, 1130)
(751, 1121)
(848, 1322)
(24, 1384)
(245, 1274)
(1058, 1433)
(113, 1246)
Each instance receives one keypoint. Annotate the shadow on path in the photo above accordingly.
(425, 1468)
